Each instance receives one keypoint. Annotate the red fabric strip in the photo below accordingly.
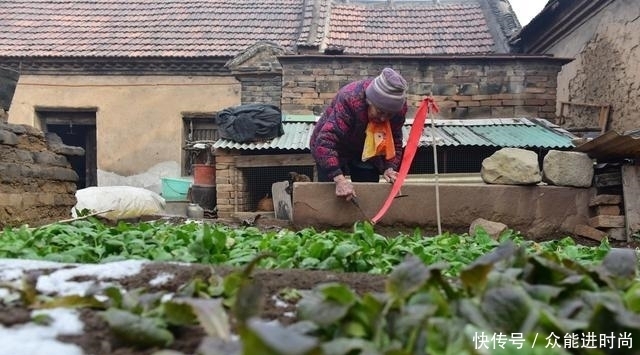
(427, 106)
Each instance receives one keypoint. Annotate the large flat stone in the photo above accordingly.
(536, 211)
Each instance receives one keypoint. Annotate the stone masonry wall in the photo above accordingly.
(37, 186)
(471, 87)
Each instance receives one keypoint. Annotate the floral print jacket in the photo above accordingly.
(339, 134)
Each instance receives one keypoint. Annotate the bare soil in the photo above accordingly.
(98, 340)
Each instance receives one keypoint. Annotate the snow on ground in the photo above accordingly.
(161, 279)
(60, 282)
(34, 339)
(58, 279)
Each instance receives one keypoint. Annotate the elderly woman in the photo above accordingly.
(360, 133)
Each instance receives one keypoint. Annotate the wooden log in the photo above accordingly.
(584, 230)
(608, 179)
(603, 221)
(609, 210)
(616, 233)
(605, 200)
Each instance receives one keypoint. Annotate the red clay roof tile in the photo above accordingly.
(224, 28)
(410, 29)
(135, 28)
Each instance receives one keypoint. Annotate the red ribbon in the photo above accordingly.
(427, 106)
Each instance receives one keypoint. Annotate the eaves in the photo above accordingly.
(428, 58)
(209, 66)
(555, 22)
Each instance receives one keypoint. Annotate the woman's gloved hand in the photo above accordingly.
(390, 175)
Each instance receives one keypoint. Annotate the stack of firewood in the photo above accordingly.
(607, 208)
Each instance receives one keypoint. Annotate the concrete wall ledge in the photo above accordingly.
(539, 211)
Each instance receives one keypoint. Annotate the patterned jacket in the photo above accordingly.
(339, 134)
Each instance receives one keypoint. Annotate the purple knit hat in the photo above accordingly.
(388, 91)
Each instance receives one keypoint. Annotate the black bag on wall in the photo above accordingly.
(250, 122)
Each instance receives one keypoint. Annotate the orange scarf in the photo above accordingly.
(378, 141)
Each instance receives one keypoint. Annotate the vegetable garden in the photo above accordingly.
(243, 290)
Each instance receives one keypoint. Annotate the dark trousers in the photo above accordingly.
(358, 172)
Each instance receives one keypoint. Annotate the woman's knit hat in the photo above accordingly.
(388, 91)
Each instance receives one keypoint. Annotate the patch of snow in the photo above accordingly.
(60, 282)
(35, 339)
(161, 279)
(278, 302)
(13, 269)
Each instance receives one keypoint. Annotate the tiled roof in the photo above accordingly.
(315, 19)
(410, 29)
(492, 132)
(224, 28)
(136, 28)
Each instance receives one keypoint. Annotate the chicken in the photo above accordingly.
(265, 204)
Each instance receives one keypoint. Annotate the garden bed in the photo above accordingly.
(48, 284)
(97, 338)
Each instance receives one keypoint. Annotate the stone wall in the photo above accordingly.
(464, 87)
(606, 69)
(37, 185)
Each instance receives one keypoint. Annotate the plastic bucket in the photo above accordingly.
(175, 189)
(204, 174)
(204, 195)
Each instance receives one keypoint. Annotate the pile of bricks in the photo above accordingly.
(608, 219)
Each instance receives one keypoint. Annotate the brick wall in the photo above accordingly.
(464, 87)
(37, 186)
(230, 188)
(266, 89)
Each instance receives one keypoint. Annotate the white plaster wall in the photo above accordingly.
(138, 118)
(606, 69)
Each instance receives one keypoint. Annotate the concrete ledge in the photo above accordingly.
(539, 211)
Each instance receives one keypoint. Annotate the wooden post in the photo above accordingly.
(631, 197)
(282, 204)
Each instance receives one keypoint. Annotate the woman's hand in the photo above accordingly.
(390, 175)
(344, 188)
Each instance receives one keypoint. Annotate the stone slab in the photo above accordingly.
(537, 211)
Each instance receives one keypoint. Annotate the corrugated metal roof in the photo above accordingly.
(523, 136)
(461, 135)
(509, 132)
(296, 137)
(613, 145)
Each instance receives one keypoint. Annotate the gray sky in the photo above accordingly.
(527, 9)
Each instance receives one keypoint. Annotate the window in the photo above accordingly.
(197, 128)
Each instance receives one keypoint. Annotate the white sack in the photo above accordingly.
(124, 201)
